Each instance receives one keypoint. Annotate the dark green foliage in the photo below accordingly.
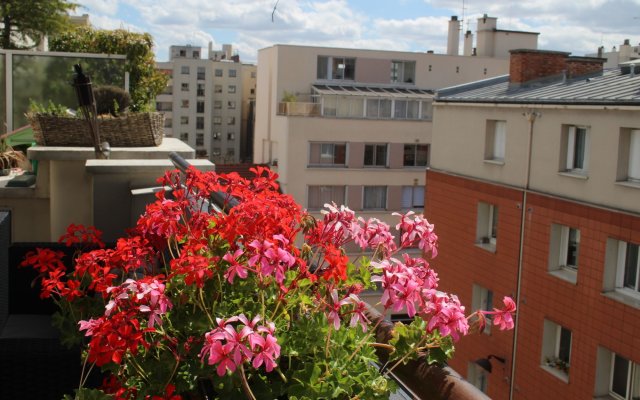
(145, 82)
(23, 23)
(111, 100)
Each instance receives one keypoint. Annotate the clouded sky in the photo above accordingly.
(577, 26)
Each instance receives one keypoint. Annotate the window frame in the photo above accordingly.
(399, 70)
(415, 155)
(327, 151)
(374, 162)
(552, 359)
(632, 369)
(185, 70)
(332, 195)
(328, 66)
(414, 204)
(571, 162)
(487, 225)
(496, 141)
(383, 196)
(482, 299)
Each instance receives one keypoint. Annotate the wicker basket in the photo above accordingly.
(131, 130)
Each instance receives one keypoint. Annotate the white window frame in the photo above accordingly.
(374, 187)
(496, 141)
(487, 226)
(332, 195)
(551, 343)
(572, 134)
(374, 155)
(559, 243)
(633, 166)
(401, 68)
(482, 299)
(633, 369)
(621, 268)
(416, 196)
(415, 155)
(327, 154)
(478, 377)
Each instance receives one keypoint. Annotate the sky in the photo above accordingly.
(576, 26)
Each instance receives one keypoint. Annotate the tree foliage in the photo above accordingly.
(23, 23)
(145, 82)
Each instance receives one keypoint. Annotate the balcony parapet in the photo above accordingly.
(298, 109)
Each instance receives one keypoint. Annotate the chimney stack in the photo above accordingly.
(468, 44)
(453, 39)
(527, 66)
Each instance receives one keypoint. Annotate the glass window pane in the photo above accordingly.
(385, 108)
(564, 348)
(381, 155)
(368, 154)
(412, 109)
(322, 67)
(620, 376)
(579, 149)
(372, 108)
(400, 109)
(631, 267)
(409, 155)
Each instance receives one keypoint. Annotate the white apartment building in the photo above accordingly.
(626, 52)
(353, 126)
(203, 101)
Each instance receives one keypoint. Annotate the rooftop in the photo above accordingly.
(614, 86)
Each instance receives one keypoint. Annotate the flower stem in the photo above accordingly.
(415, 349)
(245, 384)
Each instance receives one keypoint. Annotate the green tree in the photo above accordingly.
(23, 23)
(145, 81)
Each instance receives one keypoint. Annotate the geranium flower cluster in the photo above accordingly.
(237, 340)
(170, 302)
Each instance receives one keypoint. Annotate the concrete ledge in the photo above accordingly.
(117, 153)
(98, 167)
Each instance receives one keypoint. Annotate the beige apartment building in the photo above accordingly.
(534, 188)
(353, 126)
(203, 102)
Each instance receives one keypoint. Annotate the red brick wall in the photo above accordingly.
(451, 204)
(583, 66)
(527, 65)
(595, 320)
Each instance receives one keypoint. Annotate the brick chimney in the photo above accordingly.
(528, 65)
(579, 66)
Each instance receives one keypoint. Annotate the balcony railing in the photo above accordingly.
(299, 109)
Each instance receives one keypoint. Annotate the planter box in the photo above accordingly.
(130, 130)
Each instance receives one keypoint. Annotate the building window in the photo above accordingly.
(406, 109)
(253, 74)
(231, 152)
(184, 70)
(168, 122)
(556, 349)
(217, 104)
(232, 73)
(482, 299)
(412, 197)
(374, 198)
(184, 103)
(164, 106)
(184, 87)
(416, 155)
(216, 151)
(200, 91)
(375, 155)
(216, 135)
(318, 196)
(378, 108)
(201, 73)
(218, 72)
(495, 141)
(184, 120)
(232, 89)
(487, 226)
(231, 105)
(199, 139)
(231, 120)
(426, 110)
(478, 377)
(231, 136)
(563, 252)
(575, 149)
(336, 68)
(327, 154)
(199, 122)
(196, 54)
(184, 136)
(629, 156)
(200, 107)
(622, 272)
(217, 120)
(217, 89)
(183, 53)
(403, 71)
(618, 377)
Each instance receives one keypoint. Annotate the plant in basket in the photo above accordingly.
(260, 302)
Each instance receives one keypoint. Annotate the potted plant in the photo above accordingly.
(259, 302)
(10, 158)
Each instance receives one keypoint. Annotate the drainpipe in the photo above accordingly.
(531, 118)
